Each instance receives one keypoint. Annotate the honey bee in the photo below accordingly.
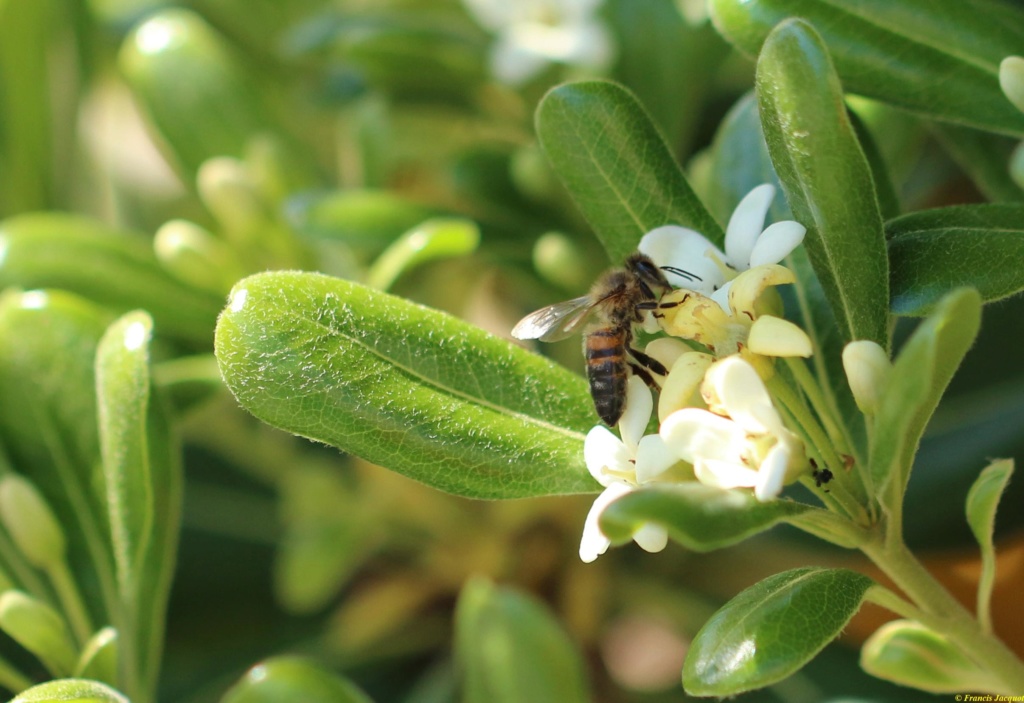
(615, 303)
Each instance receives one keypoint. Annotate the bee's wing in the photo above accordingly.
(554, 322)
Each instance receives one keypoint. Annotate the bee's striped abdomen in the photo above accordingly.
(607, 371)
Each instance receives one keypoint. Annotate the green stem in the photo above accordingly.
(944, 614)
(851, 501)
(12, 679)
(70, 600)
(812, 390)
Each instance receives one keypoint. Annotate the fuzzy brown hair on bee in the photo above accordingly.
(614, 304)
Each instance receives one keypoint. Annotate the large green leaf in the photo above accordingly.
(932, 252)
(771, 630)
(699, 517)
(939, 58)
(826, 177)
(919, 377)
(116, 269)
(512, 650)
(617, 166)
(406, 387)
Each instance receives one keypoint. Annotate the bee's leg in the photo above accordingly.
(645, 376)
(649, 362)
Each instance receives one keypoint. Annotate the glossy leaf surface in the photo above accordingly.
(617, 166)
(939, 58)
(403, 386)
(826, 177)
(931, 252)
(771, 630)
(511, 649)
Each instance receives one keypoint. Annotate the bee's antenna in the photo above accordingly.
(681, 272)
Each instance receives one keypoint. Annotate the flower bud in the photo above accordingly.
(774, 336)
(30, 521)
(38, 628)
(867, 371)
(1011, 80)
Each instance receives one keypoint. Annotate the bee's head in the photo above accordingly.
(648, 273)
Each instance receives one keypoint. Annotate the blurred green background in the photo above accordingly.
(214, 138)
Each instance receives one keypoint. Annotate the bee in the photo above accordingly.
(615, 303)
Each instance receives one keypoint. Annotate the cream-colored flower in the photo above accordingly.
(748, 244)
(867, 369)
(530, 34)
(621, 465)
(740, 441)
(737, 317)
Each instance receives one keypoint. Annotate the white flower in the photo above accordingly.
(533, 33)
(867, 369)
(622, 465)
(747, 244)
(740, 442)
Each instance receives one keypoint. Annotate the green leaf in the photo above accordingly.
(982, 501)
(98, 659)
(985, 157)
(932, 252)
(617, 166)
(366, 220)
(70, 691)
(290, 679)
(122, 398)
(116, 269)
(48, 422)
(433, 239)
(939, 58)
(667, 63)
(771, 630)
(826, 177)
(38, 628)
(919, 377)
(403, 386)
(908, 653)
(511, 649)
(198, 95)
(699, 517)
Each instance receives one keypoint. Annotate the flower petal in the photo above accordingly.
(776, 242)
(693, 434)
(513, 63)
(651, 537)
(724, 474)
(653, 458)
(667, 350)
(774, 336)
(593, 542)
(746, 224)
(639, 404)
(733, 387)
(605, 455)
(686, 249)
(681, 388)
(748, 286)
(772, 473)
